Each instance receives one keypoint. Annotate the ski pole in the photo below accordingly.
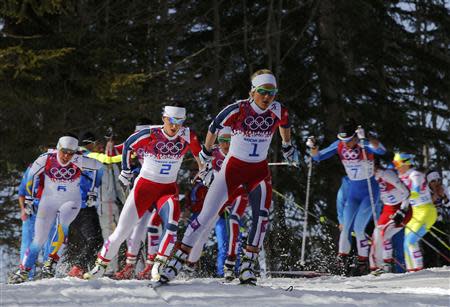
(429, 244)
(305, 224)
(369, 185)
(279, 163)
(440, 231)
(440, 240)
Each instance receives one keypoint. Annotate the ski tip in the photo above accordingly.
(156, 284)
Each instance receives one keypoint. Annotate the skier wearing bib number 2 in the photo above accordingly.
(163, 149)
(358, 207)
(253, 122)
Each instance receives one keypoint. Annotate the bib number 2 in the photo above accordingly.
(165, 169)
(254, 154)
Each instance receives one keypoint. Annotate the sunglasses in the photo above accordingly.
(265, 91)
(176, 121)
(66, 151)
(222, 139)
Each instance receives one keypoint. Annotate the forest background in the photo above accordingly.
(90, 65)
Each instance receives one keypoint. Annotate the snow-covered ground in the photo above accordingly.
(427, 288)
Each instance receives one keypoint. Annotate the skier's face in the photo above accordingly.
(264, 95)
(65, 155)
(224, 143)
(170, 126)
(401, 168)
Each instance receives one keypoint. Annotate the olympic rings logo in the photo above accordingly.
(260, 122)
(169, 147)
(63, 173)
(350, 154)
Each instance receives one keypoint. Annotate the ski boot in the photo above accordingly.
(126, 273)
(247, 271)
(188, 271)
(228, 270)
(48, 269)
(147, 272)
(158, 265)
(342, 265)
(18, 277)
(76, 271)
(388, 267)
(128, 270)
(98, 270)
(362, 267)
(173, 266)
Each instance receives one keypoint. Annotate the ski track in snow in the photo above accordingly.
(426, 288)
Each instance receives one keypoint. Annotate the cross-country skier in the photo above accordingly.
(441, 199)
(226, 228)
(163, 148)
(253, 122)
(358, 207)
(60, 196)
(424, 212)
(85, 235)
(396, 212)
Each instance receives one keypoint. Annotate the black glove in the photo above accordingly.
(29, 205)
(205, 155)
(398, 217)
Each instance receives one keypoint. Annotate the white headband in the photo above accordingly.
(176, 112)
(264, 79)
(67, 142)
(433, 176)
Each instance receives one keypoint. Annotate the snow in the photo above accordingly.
(426, 288)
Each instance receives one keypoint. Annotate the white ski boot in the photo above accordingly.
(247, 270)
(98, 270)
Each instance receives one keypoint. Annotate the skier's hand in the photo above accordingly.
(206, 175)
(360, 133)
(28, 205)
(290, 153)
(311, 142)
(91, 199)
(205, 155)
(398, 217)
(23, 215)
(125, 179)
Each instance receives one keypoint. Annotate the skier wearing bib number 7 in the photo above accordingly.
(359, 169)
(253, 122)
(163, 149)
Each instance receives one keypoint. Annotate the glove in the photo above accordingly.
(91, 199)
(311, 142)
(29, 205)
(360, 133)
(125, 179)
(290, 153)
(205, 155)
(398, 217)
(206, 175)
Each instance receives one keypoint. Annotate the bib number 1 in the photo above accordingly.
(254, 154)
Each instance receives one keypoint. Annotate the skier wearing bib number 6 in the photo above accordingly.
(253, 122)
(163, 149)
(358, 161)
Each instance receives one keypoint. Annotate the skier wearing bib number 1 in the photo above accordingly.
(358, 207)
(253, 122)
(163, 149)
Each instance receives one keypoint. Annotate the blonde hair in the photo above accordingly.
(260, 72)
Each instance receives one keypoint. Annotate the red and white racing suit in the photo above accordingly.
(155, 186)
